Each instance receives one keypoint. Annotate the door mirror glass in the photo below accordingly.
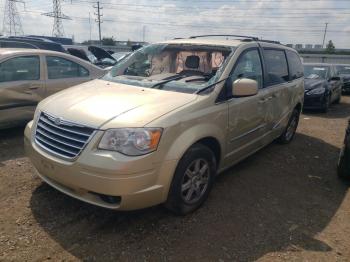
(244, 87)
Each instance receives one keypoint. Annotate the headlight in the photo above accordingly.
(131, 141)
(316, 91)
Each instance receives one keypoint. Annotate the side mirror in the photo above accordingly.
(244, 87)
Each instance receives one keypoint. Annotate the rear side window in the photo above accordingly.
(20, 69)
(296, 69)
(59, 68)
(276, 66)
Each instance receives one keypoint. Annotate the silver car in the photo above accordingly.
(29, 75)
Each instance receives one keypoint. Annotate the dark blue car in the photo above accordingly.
(323, 86)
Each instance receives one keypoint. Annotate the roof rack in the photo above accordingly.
(270, 41)
(254, 38)
(246, 38)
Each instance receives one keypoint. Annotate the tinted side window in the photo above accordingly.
(295, 66)
(20, 69)
(276, 66)
(59, 68)
(248, 66)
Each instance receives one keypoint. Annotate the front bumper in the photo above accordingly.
(103, 178)
(314, 101)
(346, 87)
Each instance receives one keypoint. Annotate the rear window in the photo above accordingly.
(276, 66)
(296, 69)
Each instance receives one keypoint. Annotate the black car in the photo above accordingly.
(92, 54)
(344, 158)
(30, 42)
(322, 86)
(344, 73)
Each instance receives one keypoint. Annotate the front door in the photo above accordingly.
(21, 88)
(63, 73)
(247, 115)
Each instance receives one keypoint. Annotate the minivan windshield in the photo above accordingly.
(316, 71)
(183, 68)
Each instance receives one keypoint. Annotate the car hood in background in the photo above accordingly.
(98, 102)
(313, 83)
(100, 53)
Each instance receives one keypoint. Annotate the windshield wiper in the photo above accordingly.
(177, 77)
(210, 86)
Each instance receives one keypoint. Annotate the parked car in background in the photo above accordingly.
(344, 73)
(29, 75)
(344, 158)
(160, 125)
(31, 43)
(322, 86)
(119, 56)
(92, 54)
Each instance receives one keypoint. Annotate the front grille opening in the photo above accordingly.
(63, 138)
(113, 200)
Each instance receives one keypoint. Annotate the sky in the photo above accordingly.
(287, 21)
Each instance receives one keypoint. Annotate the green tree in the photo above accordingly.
(108, 41)
(330, 49)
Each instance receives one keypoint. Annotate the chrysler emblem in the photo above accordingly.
(58, 121)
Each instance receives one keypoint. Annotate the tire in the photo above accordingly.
(288, 134)
(327, 104)
(337, 101)
(344, 166)
(189, 178)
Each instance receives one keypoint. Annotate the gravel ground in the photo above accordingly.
(283, 203)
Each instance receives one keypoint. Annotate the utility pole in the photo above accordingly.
(58, 16)
(12, 22)
(324, 36)
(98, 20)
(90, 27)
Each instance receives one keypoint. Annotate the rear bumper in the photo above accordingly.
(130, 183)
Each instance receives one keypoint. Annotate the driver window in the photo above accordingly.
(248, 66)
(139, 68)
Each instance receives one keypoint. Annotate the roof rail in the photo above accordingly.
(270, 41)
(240, 36)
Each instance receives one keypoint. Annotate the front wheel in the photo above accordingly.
(337, 101)
(289, 132)
(327, 104)
(343, 165)
(193, 180)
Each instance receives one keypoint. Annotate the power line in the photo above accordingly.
(58, 16)
(12, 24)
(292, 28)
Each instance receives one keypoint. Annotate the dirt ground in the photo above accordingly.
(283, 203)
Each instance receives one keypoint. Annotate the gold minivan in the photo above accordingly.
(162, 123)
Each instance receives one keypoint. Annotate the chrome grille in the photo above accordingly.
(60, 137)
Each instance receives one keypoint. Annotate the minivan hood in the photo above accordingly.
(98, 102)
(311, 83)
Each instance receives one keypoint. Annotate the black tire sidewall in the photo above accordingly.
(283, 138)
(344, 166)
(175, 202)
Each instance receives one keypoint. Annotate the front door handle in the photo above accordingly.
(265, 99)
